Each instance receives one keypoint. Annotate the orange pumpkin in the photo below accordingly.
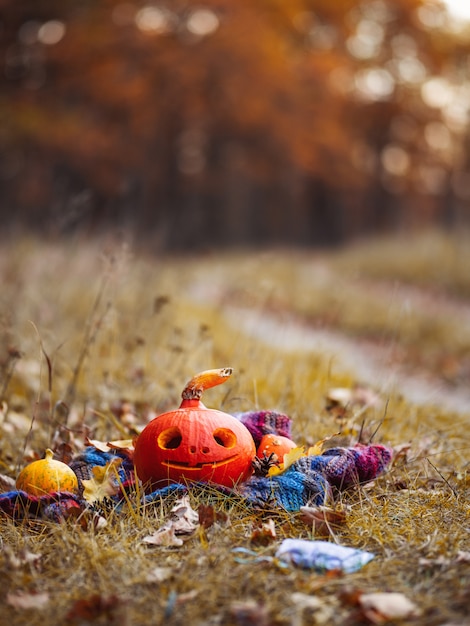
(194, 443)
(47, 476)
(275, 444)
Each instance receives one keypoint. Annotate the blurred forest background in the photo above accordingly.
(207, 123)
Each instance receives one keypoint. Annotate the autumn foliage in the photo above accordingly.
(215, 123)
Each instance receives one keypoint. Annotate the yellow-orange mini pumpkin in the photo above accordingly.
(47, 476)
(275, 444)
(194, 443)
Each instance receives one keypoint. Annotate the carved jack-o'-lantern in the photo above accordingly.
(194, 443)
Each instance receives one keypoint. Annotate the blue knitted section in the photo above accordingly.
(91, 456)
(289, 490)
(160, 494)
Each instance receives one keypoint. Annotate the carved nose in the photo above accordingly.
(193, 451)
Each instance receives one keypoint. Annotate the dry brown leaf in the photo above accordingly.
(401, 453)
(25, 600)
(124, 445)
(209, 516)
(383, 606)
(185, 520)
(6, 483)
(265, 534)
(164, 536)
(181, 526)
(104, 482)
(99, 445)
(323, 520)
(94, 607)
(63, 452)
(206, 514)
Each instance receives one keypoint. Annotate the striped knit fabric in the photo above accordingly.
(289, 490)
(346, 467)
(307, 481)
(261, 423)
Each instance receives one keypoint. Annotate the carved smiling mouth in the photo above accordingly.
(199, 466)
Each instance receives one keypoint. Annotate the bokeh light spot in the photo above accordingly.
(202, 22)
(51, 32)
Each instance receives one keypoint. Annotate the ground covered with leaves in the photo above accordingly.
(96, 339)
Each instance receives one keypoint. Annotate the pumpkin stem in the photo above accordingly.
(49, 455)
(205, 380)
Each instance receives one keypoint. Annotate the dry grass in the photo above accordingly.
(121, 326)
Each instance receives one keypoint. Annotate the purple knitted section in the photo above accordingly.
(54, 506)
(345, 467)
(261, 423)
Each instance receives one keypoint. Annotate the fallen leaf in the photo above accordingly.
(350, 595)
(208, 516)
(291, 457)
(6, 483)
(383, 606)
(104, 482)
(264, 535)
(181, 526)
(323, 520)
(164, 536)
(317, 448)
(25, 600)
(95, 606)
(63, 452)
(401, 452)
(185, 520)
(99, 445)
(124, 445)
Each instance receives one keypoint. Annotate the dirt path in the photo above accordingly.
(369, 362)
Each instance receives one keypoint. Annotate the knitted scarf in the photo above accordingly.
(307, 481)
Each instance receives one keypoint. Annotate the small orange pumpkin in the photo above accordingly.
(194, 443)
(47, 476)
(275, 444)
